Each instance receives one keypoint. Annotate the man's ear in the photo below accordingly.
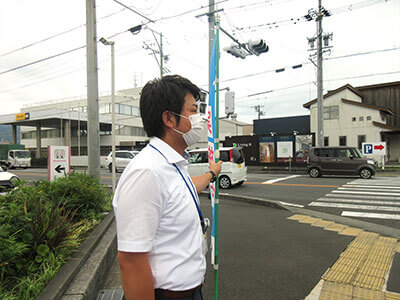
(168, 119)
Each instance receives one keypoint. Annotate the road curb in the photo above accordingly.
(367, 226)
(59, 284)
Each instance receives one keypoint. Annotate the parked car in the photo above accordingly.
(122, 159)
(233, 171)
(7, 180)
(339, 161)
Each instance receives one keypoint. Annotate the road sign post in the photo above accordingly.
(59, 161)
(375, 149)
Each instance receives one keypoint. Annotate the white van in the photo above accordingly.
(233, 172)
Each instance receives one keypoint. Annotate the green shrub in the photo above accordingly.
(40, 226)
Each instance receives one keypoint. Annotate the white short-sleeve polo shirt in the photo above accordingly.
(155, 212)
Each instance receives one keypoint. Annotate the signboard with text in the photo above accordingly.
(22, 116)
(374, 148)
(59, 161)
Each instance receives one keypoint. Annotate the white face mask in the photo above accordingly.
(194, 134)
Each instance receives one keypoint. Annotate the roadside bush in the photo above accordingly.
(41, 225)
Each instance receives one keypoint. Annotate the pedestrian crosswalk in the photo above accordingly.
(365, 198)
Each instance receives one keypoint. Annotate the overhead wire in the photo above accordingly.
(57, 35)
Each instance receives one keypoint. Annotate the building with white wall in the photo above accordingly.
(349, 120)
(64, 123)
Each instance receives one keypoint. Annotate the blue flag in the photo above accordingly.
(211, 128)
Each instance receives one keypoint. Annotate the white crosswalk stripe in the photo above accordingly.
(364, 199)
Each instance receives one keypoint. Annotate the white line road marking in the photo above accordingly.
(366, 193)
(378, 182)
(359, 201)
(377, 189)
(290, 204)
(280, 179)
(363, 197)
(371, 186)
(370, 215)
(354, 206)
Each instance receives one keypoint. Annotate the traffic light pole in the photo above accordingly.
(236, 41)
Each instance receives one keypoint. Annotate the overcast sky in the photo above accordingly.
(358, 27)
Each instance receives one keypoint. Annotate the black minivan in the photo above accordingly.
(339, 161)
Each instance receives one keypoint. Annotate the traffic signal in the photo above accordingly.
(229, 102)
(258, 46)
(203, 102)
(235, 50)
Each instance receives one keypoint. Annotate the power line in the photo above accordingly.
(41, 60)
(327, 80)
(306, 63)
(138, 13)
(56, 35)
(302, 19)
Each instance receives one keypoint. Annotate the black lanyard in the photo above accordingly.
(191, 190)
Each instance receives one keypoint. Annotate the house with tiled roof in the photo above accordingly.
(356, 115)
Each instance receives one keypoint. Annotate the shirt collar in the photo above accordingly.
(170, 154)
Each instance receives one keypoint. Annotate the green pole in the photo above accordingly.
(216, 204)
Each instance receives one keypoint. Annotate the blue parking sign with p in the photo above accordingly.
(368, 148)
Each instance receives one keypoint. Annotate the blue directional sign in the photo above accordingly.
(368, 149)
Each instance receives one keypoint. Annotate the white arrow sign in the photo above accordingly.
(59, 161)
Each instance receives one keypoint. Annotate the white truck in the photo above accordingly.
(14, 156)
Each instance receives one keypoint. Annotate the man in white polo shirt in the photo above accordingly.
(160, 225)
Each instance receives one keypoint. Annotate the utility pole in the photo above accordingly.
(317, 16)
(258, 110)
(93, 140)
(320, 89)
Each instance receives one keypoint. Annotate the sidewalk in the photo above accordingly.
(296, 257)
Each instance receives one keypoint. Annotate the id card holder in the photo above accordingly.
(205, 244)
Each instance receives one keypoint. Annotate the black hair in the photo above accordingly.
(160, 95)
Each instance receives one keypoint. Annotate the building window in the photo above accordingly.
(353, 119)
(331, 112)
(368, 118)
(360, 140)
(326, 140)
(361, 118)
(342, 140)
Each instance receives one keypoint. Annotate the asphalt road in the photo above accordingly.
(375, 200)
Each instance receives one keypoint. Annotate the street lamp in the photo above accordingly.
(111, 43)
(137, 29)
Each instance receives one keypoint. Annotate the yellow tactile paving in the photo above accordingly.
(336, 227)
(369, 282)
(361, 270)
(296, 217)
(336, 291)
(351, 231)
(366, 294)
(392, 296)
(322, 223)
(387, 240)
(308, 220)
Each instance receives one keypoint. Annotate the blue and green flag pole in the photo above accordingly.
(213, 150)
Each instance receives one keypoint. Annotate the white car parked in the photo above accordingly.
(233, 171)
(7, 180)
(122, 159)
